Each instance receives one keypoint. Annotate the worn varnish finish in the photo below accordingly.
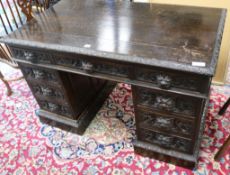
(71, 54)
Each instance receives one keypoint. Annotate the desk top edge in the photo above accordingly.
(209, 71)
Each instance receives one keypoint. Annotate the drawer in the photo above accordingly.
(32, 55)
(112, 68)
(39, 74)
(81, 62)
(165, 123)
(93, 65)
(166, 102)
(42, 91)
(165, 141)
(47, 86)
(61, 109)
(176, 80)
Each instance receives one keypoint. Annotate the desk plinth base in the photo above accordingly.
(170, 156)
(83, 120)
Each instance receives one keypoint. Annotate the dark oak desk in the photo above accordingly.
(72, 54)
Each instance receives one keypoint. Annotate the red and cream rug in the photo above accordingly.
(28, 147)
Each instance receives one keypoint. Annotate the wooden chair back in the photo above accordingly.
(13, 14)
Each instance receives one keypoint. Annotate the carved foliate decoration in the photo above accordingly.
(166, 123)
(167, 81)
(112, 69)
(28, 55)
(181, 144)
(75, 63)
(39, 74)
(166, 141)
(184, 82)
(56, 108)
(17, 53)
(68, 62)
(164, 81)
(164, 102)
(184, 127)
(32, 56)
(48, 91)
(167, 102)
(87, 66)
(147, 98)
(90, 67)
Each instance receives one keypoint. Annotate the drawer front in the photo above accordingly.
(158, 77)
(38, 74)
(166, 79)
(164, 123)
(112, 68)
(47, 87)
(56, 108)
(165, 141)
(31, 55)
(91, 66)
(80, 62)
(43, 91)
(167, 102)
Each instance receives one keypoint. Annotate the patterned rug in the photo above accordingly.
(28, 147)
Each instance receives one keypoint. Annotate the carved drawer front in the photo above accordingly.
(165, 141)
(167, 102)
(173, 80)
(80, 62)
(91, 66)
(47, 87)
(61, 109)
(47, 91)
(165, 123)
(112, 69)
(32, 56)
(36, 73)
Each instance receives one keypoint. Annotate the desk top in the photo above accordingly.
(176, 37)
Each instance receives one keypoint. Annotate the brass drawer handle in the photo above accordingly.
(164, 81)
(88, 67)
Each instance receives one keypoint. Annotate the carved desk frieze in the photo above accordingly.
(112, 69)
(32, 56)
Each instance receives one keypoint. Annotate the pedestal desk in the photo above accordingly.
(73, 54)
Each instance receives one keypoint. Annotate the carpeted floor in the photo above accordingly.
(28, 147)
